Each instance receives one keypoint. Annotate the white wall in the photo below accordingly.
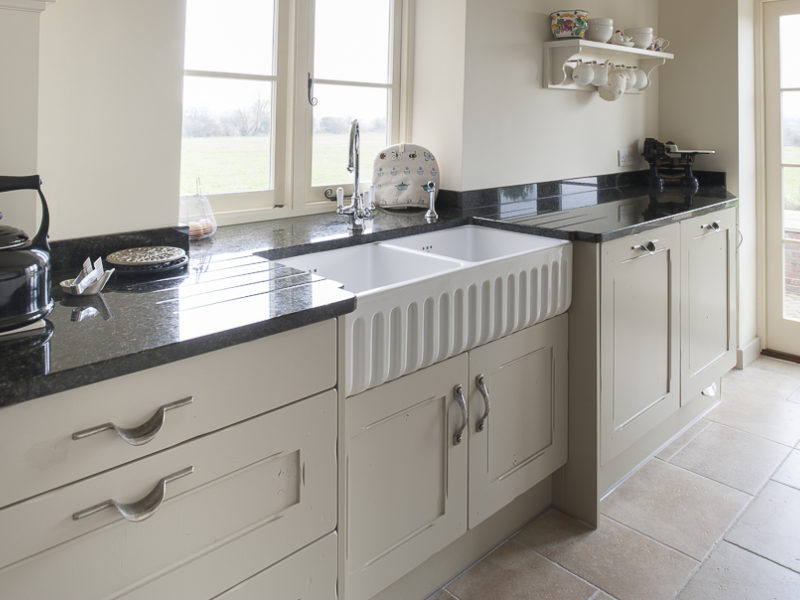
(19, 51)
(708, 101)
(438, 98)
(513, 130)
(110, 114)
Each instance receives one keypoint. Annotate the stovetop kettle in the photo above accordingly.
(24, 264)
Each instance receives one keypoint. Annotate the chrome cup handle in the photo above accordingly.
(141, 434)
(458, 436)
(480, 382)
(141, 509)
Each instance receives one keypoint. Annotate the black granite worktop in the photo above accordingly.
(229, 295)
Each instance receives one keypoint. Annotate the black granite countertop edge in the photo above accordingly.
(13, 393)
(580, 236)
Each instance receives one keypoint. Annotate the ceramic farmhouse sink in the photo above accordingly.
(369, 268)
(474, 244)
(427, 297)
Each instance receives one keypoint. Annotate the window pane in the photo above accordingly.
(231, 36)
(227, 131)
(791, 203)
(790, 126)
(338, 106)
(790, 50)
(791, 282)
(351, 40)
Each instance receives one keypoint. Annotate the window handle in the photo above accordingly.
(311, 99)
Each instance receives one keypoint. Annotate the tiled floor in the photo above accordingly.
(714, 516)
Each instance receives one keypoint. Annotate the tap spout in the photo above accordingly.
(354, 155)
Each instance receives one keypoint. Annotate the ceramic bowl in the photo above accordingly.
(600, 30)
(569, 23)
(641, 37)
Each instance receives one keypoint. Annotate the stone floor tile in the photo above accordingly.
(671, 449)
(759, 413)
(515, 572)
(761, 377)
(675, 507)
(443, 595)
(731, 573)
(601, 595)
(770, 526)
(738, 459)
(775, 365)
(619, 561)
(789, 472)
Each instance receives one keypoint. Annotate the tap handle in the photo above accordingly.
(339, 198)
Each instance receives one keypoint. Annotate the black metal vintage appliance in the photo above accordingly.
(670, 165)
(24, 264)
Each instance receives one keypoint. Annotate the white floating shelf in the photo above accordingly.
(560, 52)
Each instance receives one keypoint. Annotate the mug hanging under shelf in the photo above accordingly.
(558, 54)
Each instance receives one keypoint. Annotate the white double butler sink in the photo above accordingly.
(426, 297)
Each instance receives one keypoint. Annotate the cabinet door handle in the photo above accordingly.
(648, 247)
(141, 434)
(480, 381)
(713, 226)
(458, 436)
(142, 508)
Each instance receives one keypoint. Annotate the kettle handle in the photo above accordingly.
(10, 183)
(28, 182)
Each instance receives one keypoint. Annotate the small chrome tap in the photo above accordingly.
(431, 216)
(358, 210)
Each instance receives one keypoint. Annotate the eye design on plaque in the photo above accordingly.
(412, 155)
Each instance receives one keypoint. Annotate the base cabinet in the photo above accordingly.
(708, 309)
(423, 465)
(639, 328)
(652, 328)
(521, 381)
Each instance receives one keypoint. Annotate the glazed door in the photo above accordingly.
(782, 102)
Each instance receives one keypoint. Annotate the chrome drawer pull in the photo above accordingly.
(458, 391)
(649, 247)
(141, 434)
(714, 226)
(480, 381)
(141, 509)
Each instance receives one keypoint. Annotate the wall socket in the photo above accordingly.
(627, 157)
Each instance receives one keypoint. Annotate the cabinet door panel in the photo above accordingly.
(405, 478)
(639, 319)
(524, 438)
(707, 300)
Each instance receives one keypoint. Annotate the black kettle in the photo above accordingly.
(24, 264)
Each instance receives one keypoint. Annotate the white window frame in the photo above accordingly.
(292, 134)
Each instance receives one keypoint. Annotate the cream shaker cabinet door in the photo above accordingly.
(639, 329)
(708, 308)
(518, 415)
(406, 474)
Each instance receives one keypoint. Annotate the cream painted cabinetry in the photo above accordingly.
(413, 485)
(523, 381)
(222, 503)
(708, 310)
(651, 327)
(639, 329)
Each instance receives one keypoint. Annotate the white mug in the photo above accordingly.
(583, 74)
(600, 74)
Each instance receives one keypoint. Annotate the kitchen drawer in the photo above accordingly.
(266, 486)
(226, 386)
(308, 575)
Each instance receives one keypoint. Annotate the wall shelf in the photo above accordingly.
(558, 53)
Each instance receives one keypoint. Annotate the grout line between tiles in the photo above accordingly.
(710, 418)
(652, 539)
(730, 487)
(774, 562)
(557, 564)
(690, 440)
